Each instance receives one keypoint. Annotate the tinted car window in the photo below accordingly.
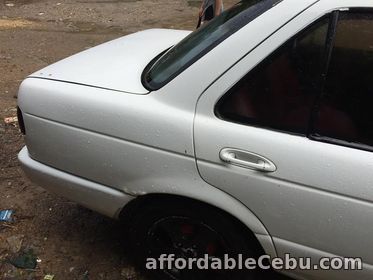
(280, 92)
(201, 41)
(345, 112)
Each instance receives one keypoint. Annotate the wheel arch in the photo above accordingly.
(228, 206)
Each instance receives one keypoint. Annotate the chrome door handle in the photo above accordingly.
(247, 159)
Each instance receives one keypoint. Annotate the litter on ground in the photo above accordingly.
(6, 215)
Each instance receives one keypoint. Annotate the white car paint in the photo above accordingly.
(115, 65)
(168, 141)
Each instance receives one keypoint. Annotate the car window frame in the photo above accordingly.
(332, 28)
(318, 94)
(326, 139)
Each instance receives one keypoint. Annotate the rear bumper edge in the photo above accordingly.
(97, 197)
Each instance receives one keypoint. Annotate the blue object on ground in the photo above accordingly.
(6, 215)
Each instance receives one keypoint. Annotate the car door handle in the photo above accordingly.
(247, 160)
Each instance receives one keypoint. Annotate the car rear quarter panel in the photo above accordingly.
(64, 120)
(100, 144)
(140, 143)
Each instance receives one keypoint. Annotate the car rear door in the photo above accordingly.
(288, 131)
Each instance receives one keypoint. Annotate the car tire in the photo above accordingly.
(190, 229)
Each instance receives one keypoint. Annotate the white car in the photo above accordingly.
(252, 135)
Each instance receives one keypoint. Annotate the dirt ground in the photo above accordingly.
(70, 241)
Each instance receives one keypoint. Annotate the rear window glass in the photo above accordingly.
(198, 43)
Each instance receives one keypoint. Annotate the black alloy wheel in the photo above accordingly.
(188, 229)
